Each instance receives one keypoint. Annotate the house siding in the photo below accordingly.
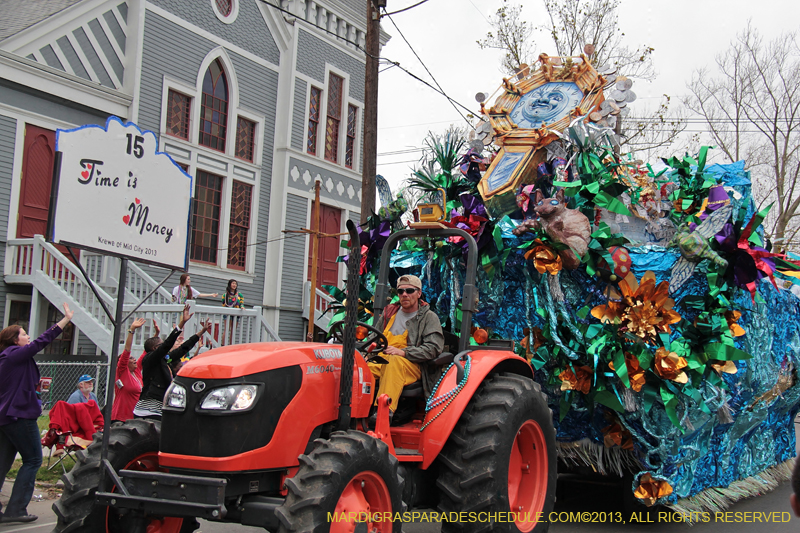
(106, 47)
(258, 93)
(93, 57)
(8, 135)
(248, 30)
(291, 324)
(313, 53)
(17, 96)
(359, 6)
(116, 29)
(187, 51)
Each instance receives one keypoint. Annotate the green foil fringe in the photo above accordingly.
(603, 460)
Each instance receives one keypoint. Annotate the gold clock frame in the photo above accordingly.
(513, 139)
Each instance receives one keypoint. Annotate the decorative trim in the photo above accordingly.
(64, 85)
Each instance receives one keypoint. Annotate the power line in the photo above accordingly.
(361, 48)
(415, 125)
(405, 8)
(426, 68)
(399, 162)
(398, 152)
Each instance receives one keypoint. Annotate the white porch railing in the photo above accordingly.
(321, 302)
(38, 263)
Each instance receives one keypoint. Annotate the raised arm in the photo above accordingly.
(68, 314)
(139, 322)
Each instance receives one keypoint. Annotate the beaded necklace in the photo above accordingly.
(446, 398)
(230, 301)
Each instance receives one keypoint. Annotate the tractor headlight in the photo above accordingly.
(175, 397)
(230, 398)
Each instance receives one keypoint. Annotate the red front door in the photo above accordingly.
(38, 157)
(37, 175)
(330, 223)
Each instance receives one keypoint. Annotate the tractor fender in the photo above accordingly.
(441, 420)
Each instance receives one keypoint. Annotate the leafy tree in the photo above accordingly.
(750, 105)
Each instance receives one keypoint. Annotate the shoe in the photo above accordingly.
(5, 519)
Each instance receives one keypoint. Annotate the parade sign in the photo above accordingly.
(116, 194)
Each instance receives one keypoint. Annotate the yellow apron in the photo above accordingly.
(398, 373)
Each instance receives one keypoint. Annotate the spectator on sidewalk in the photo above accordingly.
(84, 392)
(128, 379)
(20, 407)
(184, 291)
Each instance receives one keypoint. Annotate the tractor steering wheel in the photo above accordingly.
(374, 335)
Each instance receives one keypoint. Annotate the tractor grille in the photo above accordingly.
(225, 434)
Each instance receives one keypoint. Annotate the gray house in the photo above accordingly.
(257, 99)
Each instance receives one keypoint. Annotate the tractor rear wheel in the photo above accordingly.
(347, 483)
(501, 458)
(132, 446)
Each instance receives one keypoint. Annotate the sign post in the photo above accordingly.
(114, 193)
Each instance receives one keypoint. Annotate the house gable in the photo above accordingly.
(85, 39)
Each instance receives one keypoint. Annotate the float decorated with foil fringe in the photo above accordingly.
(655, 315)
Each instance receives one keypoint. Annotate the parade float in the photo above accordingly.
(645, 296)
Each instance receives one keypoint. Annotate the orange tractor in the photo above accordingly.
(275, 435)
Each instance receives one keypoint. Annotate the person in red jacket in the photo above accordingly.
(128, 379)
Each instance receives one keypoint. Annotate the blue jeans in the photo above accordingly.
(21, 436)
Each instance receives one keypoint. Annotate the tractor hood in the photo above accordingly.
(245, 359)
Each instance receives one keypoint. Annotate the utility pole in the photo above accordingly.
(370, 156)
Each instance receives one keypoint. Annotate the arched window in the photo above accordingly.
(214, 108)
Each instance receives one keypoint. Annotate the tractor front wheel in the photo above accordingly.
(347, 483)
(500, 460)
(132, 446)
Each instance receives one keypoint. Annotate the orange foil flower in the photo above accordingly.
(733, 317)
(645, 309)
(581, 383)
(669, 365)
(720, 367)
(650, 490)
(538, 340)
(635, 371)
(616, 435)
(545, 259)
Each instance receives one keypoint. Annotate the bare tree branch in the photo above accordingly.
(751, 107)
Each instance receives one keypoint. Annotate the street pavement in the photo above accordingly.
(582, 507)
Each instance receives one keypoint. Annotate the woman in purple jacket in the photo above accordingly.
(19, 409)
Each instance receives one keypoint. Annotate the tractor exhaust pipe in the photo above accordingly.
(351, 317)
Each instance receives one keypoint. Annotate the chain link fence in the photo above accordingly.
(65, 377)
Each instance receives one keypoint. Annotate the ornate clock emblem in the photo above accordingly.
(528, 115)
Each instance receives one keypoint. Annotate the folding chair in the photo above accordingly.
(69, 427)
(65, 442)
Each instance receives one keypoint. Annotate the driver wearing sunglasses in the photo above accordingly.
(415, 336)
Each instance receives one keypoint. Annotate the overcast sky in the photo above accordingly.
(686, 35)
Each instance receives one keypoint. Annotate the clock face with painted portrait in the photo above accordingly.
(546, 104)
